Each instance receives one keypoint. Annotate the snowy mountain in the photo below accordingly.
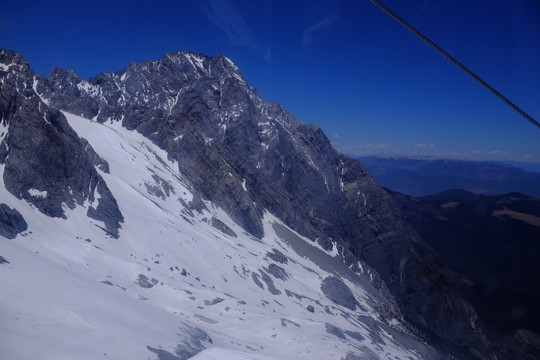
(165, 211)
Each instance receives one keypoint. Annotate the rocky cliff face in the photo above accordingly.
(44, 161)
(246, 156)
(11, 222)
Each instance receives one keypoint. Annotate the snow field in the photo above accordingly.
(71, 291)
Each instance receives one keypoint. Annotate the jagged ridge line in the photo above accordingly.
(450, 58)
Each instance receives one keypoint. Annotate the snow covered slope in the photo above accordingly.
(182, 280)
(247, 157)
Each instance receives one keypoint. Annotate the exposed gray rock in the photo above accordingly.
(3, 260)
(163, 355)
(46, 163)
(355, 335)
(163, 184)
(94, 158)
(255, 277)
(192, 344)
(334, 289)
(154, 190)
(107, 210)
(367, 354)
(286, 322)
(269, 283)
(161, 188)
(11, 222)
(277, 256)
(334, 330)
(214, 301)
(277, 271)
(197, 204)
(144, 282)
(221, 226)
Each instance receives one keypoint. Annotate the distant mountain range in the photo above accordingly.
(420, 177)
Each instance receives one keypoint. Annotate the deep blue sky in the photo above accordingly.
(344, 65)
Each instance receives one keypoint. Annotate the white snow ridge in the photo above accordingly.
(179, 282)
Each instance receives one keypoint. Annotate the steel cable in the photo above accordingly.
(450, 58)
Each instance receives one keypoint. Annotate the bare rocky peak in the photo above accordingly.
(246, 156)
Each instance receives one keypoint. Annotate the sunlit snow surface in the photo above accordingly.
(172, 281)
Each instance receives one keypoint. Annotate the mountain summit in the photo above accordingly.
(192, 219)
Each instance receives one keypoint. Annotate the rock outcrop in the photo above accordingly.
(11, 222)
(44, 160)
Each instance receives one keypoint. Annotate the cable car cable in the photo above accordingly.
(450, 58)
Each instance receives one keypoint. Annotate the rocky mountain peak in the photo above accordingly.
(217, 65)
(246, 157)
(10, 59)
